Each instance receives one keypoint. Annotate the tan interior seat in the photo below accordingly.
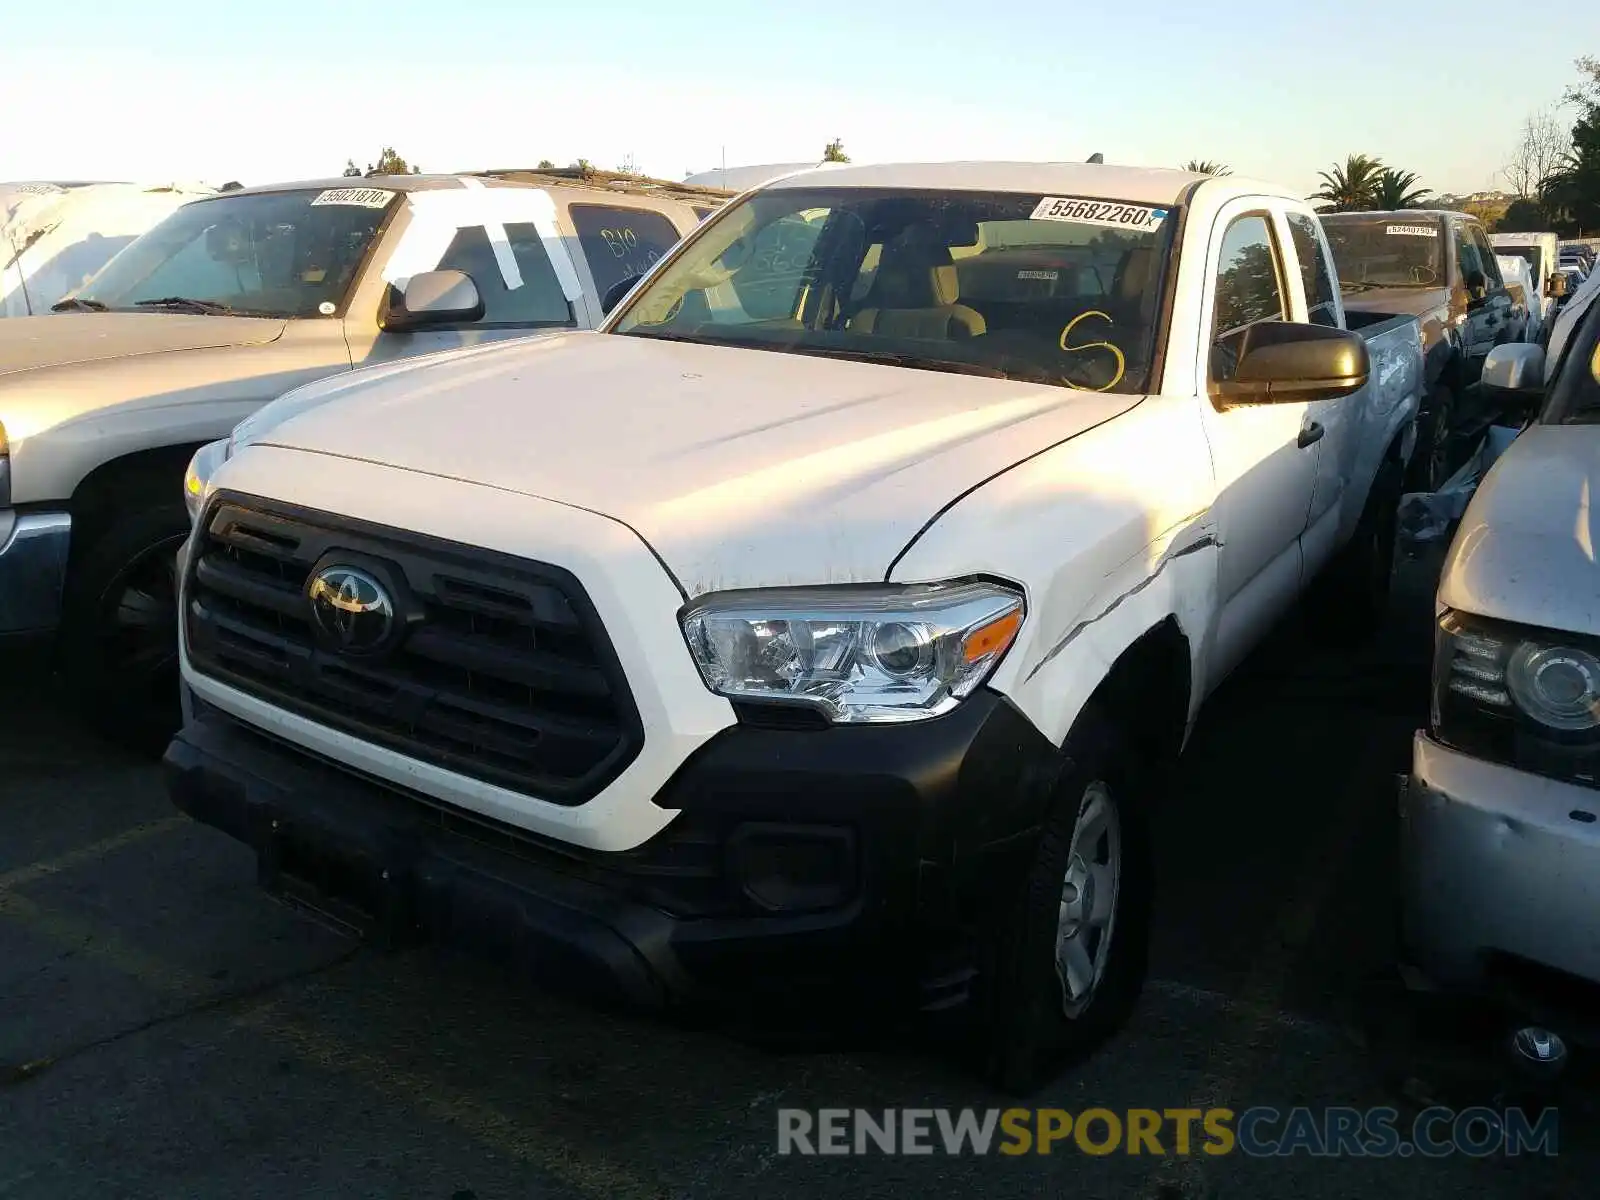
(914, 292)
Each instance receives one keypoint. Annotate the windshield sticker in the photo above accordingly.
(1050, 276)
(356, 197)
(39, 189)
(1140, 218)
(1412, 231)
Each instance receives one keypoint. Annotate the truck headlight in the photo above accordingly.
(197, 479)
(857, 654)
(1529, 698)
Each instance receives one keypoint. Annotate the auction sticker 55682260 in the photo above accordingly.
(1112, 214)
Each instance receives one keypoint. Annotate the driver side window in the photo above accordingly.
(1249, 289)
(1467, 256)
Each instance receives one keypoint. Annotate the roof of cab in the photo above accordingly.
(1140, 185)
(570, 177)
(1401, 214)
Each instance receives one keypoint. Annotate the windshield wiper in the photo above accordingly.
(185, 304)
(890, 359)
(77, 304)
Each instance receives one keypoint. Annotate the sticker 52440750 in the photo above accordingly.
(1113, 214)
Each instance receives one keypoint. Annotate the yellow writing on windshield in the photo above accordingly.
(1122, 365)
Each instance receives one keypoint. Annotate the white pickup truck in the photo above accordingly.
(821, 629)
(226, 304)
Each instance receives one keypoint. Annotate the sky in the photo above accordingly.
(289, 89)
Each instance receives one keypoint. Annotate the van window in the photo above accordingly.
(619, 242)
(1320, 306)
(538, 301)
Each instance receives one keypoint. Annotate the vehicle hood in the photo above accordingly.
(1414, 302)
(1526, 549)
(67, 339)
(741, 468)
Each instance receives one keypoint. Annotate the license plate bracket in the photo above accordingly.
(355, 891)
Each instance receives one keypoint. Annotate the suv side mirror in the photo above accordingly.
(1284, 363)
(1513, 374)
(616, 292)
(431, 298)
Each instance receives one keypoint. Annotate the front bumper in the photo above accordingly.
(1500, 871)
(805, 865)
(33, 569)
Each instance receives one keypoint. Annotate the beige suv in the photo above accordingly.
(226, 304)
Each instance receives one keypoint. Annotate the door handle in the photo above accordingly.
(1310, 435)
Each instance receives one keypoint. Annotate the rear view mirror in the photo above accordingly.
(617, 292)
(431, 298)
(1513, 374)
(1284, 363)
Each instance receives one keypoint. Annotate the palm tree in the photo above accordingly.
(1204, 166)
(1395, 190)
(1350, 187)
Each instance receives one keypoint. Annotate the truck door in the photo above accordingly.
(1486, 302)
(1264, 456)
(1339, 419)
(505, 238)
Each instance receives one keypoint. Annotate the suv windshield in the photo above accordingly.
(1045, 289)
(1386, 251)
(276, 254)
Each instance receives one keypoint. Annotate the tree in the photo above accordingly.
(389, 163)
(1585, 93)
(1204, 166)
(583, 166)
(1349, 186)
(1541, 148)
(1394, 190)
(1571, 195)
(1523, 215)
(834, 152)
(545, 165)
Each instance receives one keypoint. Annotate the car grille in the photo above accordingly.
(503, 671)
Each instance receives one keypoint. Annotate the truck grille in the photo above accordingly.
(498, 668)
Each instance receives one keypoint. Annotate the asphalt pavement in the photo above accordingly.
(166, 1030)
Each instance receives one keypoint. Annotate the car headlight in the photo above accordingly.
(197, 479)
(856, 654)
(1526, 697)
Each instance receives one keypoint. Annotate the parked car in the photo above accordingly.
(1540, 250)
(224, 305)
(54, 236)
(1501, 814)
(819, 630)
(1525, 307)
(1440, 267)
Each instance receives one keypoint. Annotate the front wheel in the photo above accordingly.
(1067, 963)
(119, 631)
(1430, 461)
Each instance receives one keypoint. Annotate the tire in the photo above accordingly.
(1353, 593)
(118, 648)
(1432, 459)
(1032, 1025)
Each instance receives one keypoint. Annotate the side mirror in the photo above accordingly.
(1556, 285)
(1513, 374)
(1283, 363)
(616, 292)
(431, 298)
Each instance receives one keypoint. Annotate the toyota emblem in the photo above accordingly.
(351, 609)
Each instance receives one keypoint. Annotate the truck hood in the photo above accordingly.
(1526, 549)
(741, 468)
(1414, 302)
(65, 339)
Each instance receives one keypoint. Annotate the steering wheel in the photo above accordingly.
(1418, 271)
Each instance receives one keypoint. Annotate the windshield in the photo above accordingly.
(1529, 254)
(277, 254)
(1046, 289)
(1385, 252)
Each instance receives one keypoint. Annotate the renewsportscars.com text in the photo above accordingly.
(1259, 1132)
